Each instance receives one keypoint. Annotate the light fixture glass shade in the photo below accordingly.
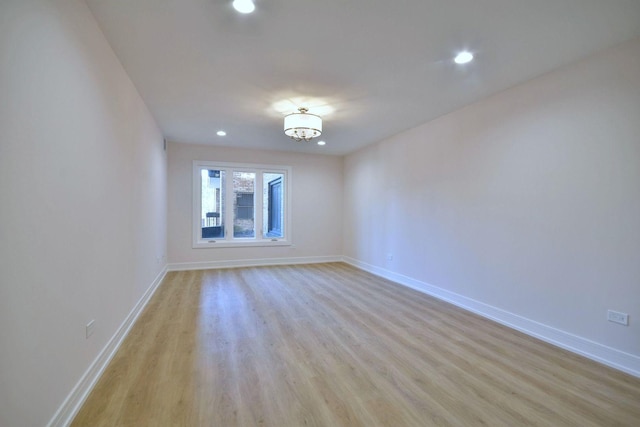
(302, 126)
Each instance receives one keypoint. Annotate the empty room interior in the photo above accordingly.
(319, 213)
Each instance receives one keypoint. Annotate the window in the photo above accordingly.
(212, 184)
(244, 206)
(244, 215)
(240, 205)
(274, 210)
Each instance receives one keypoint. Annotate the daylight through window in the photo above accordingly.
(240, 204)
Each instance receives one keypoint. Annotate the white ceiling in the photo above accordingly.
(371, 68)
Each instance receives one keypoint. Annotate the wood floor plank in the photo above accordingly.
(331, 345)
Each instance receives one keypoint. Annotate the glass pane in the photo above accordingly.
(244, 213)
(212, 203)
(273, 205)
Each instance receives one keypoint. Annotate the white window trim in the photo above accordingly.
(229, 241)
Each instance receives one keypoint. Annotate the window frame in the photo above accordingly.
(229, 240)
(270, 208)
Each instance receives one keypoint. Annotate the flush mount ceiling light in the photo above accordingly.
(244, 6)
(302, 126)
(463, 57)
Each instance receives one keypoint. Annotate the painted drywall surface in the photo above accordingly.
(82, 202)
(316, 203)
(528, 201)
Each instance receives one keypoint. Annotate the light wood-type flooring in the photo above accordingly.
(330, 345)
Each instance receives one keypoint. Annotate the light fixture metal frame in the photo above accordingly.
(296, 128)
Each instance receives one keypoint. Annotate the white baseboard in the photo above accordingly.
(72, 404)
(251, 263)
(609, 356)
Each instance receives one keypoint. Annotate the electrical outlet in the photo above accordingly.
(618, 317)
(90, 327)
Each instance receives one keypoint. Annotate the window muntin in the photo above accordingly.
(229, 209)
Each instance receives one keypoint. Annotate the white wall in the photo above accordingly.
(82, 202)
(316, 204)
(528, 201)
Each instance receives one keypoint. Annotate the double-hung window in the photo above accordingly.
(240, 205)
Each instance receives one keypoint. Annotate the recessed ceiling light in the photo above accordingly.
(244, 6)
(463, 57)
(221, 133)
(321, 143)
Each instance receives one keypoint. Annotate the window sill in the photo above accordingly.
(221, 243)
